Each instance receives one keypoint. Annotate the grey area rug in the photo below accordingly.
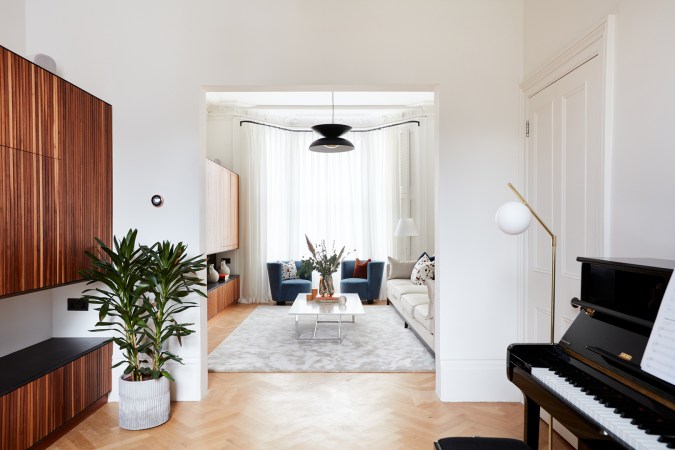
(265, 342)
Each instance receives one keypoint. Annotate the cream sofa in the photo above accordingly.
(415, 304)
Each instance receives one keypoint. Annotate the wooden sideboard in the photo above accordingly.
(49, 387)
(55, 176)
(222, 209)
(222, 294)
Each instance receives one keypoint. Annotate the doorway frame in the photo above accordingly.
(600, 43)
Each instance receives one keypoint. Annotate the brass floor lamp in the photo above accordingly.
(514, 218)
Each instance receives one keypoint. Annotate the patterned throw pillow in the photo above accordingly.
(431, 258)
(361, 268)
(288, 270)
(423, 270)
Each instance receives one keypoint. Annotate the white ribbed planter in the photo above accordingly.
(144, 404)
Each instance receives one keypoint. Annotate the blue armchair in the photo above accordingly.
(367, 288)
(286, 290)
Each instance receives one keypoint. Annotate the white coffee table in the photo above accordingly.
(335, 310)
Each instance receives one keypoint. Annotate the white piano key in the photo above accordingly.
(619, 426)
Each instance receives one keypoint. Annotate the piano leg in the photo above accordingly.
(531, 425)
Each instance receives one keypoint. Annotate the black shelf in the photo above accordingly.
(31, 363)
(219, 283)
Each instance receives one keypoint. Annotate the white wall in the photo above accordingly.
(149, 60)
(220, 130)
(550, 27)
(25, 320)
(641, 219)
(13, 26)
(642, 215)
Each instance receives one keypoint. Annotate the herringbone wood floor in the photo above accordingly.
(305, 411)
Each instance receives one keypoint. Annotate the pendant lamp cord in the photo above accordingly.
(332, 96)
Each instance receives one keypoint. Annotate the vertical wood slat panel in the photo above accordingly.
(55, 202)
(31, 412)
(28, 193)
(27, 106)
(5, 90)
(87, 177)
(211, 305)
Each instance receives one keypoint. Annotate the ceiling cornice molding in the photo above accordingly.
(226, 112)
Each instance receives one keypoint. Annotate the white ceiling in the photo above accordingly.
(303, 106)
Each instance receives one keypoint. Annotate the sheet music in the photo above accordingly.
(659, 356)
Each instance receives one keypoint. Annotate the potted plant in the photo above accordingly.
(142, 290)
(323, 262)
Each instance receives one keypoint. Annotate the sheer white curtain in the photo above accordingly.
(349, 198)
(253, 216)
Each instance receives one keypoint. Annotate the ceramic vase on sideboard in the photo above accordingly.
(224, 269)
(211, 274)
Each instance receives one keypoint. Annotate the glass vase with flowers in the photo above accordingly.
(324, 262)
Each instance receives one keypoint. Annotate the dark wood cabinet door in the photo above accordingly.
(86, 148)
(17, 113)
(31, 216)
(29, 98)
(55, 176)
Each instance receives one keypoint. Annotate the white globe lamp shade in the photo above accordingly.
(513, 217)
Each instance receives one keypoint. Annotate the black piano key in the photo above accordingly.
(659, 427)
(668, 440)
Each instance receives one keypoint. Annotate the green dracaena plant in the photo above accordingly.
(170, 277)
(144, 288)
(119, 297)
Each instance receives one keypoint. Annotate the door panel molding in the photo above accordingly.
(598, 43)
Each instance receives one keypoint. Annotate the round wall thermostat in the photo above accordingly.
(157, 200)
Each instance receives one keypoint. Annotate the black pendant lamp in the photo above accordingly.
(331, 142)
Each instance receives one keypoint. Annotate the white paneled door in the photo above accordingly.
(564, 184)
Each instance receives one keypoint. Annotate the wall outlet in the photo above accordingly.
(78, 304)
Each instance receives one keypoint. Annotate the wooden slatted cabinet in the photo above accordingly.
(55, 176)
(221, 295)
(222, 209)
(47, 388)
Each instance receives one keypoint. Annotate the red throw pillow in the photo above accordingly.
(361, 269)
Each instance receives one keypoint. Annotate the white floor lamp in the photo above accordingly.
(406, 228)
(514, 218)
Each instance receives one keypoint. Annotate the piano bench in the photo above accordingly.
(480, 443)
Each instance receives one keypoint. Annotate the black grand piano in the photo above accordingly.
(591, 380)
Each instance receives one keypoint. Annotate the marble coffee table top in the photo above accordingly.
(352, 306)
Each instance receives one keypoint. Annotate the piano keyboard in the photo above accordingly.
(644, 435)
